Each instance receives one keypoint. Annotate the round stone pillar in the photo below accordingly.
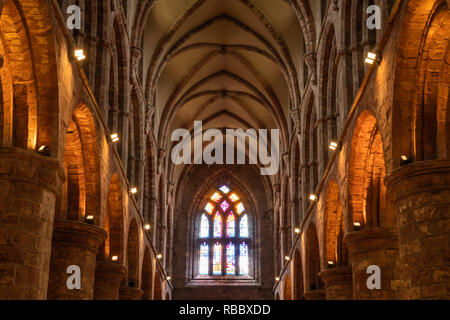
(315, 295)
(74, 243)
(421, 193)
(108, 279)
(379, 247)
(338, 283)
(29, 184)
(128, 293)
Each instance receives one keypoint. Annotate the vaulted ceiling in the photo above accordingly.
(231, 64)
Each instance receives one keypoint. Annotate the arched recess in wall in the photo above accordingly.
(29, 92)
(336, 253)
(133, 255)
(81, 191)
(157, 291)
(367, 201)
(114, 223)
(287, 293)
(329, 92)
(298, 276)
(313, 266)
(147, 275)
(423, 52)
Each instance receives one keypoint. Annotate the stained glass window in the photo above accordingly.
(204, 227)
(231, 225)
(233, 197)
(209, 208)
(217, 225)
(243, 259)
(243, 227)
(225, 205)
(217, 259)
(216, 197)
(240, 208)
(203, 267)
(231, 259)
(223, 235)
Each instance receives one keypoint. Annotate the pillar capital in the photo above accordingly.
(338, 283)
(108, 278)
(25, 166)
(74, 243)
(374, 246)
(128, 293)
(78, 234)
(315, 295)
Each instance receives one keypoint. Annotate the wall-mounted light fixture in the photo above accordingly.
(79, 54)
(44, 151)
(333, 145)
(115, 137)
(372, 57)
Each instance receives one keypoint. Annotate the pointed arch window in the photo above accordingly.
(224, 237)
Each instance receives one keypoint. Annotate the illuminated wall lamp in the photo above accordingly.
(277, 279)
(287, 258)
(168, 278)
(133, 190)
(330, 264)
(405, 160)
(90, 219)
(333, 145)
(115, 137)
(357, 226)
(147, 227)
(44, 151)
(297, 230)
(79, 54)
(159, 256)
(312, 197)
(114, 258)
(372, 58)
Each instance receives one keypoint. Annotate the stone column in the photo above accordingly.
(338, 283)
(128, 293)
(108, 279)
(74, 243)
(29, 184)
(421, 193)
(315, 295)
(374, 246)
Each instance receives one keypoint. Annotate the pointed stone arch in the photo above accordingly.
(29, 119)
(81, 191)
